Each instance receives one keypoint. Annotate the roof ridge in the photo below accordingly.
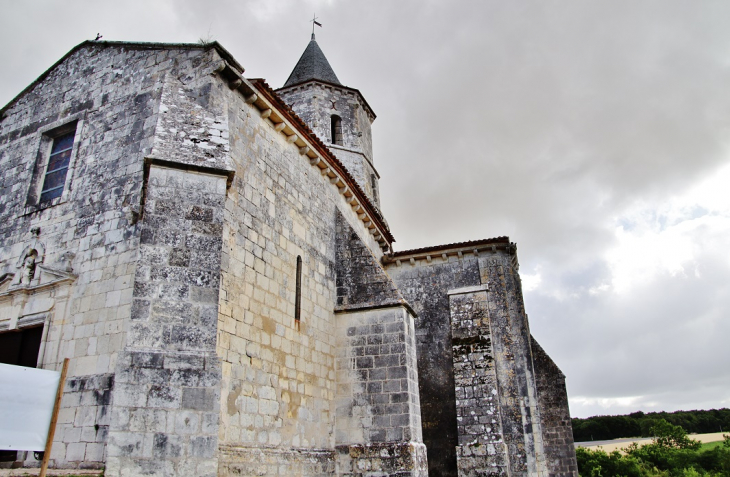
(225, 54)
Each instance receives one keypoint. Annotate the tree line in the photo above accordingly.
(639, 424)
(670, 454)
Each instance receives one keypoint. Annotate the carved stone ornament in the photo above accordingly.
(29, 260)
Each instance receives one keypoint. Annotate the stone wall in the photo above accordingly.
(425, 285)
(406, 459)
(89, 397)
(557, 430)
(377, 385)
(378, 411)
(521, 427)
(361, 170)
(111, 96)
(166, 401)
(279, 379)
(481, 450)
(453, 290)
(263, 460)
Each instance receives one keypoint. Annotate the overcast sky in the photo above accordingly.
(594, 134)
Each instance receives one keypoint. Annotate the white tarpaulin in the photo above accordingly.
(27, 396)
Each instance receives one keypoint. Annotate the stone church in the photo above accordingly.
(212, 256)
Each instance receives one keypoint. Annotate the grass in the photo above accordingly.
(710, 445)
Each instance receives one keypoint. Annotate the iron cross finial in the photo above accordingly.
(315, 22)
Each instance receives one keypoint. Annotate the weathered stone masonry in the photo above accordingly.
(553, 404)
(378, 406)
(481, 442)
(89, 232)
(199, 210)
(485, 355)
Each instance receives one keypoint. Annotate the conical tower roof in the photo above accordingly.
(312, 66)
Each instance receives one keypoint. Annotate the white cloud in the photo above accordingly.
(666, 238)
(583, 405)
(531, 281)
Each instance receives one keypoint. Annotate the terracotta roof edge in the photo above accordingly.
(297, 122)
(497, 242)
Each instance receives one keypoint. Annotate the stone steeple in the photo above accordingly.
(338, 114)
(313, 65)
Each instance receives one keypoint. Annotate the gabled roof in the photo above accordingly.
(233, 71)
(313, 65)
(131, 46)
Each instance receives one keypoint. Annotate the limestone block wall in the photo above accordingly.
(557, 430)
(378, 415)
(378, 410)
(481, 449)
(521, 425)
(316, 102)
(377, 396)
(167, 395)
(278, 373)
(425, 285)
(361, 170)
(111, 95)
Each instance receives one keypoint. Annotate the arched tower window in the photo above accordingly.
(336, 130)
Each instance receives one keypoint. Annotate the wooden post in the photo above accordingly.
(54, 419)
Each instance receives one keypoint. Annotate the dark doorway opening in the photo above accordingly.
(21, 349)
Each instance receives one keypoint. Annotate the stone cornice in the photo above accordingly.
(443, 252)
(327, 84)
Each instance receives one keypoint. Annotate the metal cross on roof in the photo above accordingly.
(315, 22)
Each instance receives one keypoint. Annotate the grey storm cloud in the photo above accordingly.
(551, 122)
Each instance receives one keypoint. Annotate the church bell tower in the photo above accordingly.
(338, 115)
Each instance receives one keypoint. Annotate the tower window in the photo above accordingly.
(374, 187)
(58, 161)
(336, 130)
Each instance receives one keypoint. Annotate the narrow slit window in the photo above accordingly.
(336, 130)
(55, 178)
(298, 298)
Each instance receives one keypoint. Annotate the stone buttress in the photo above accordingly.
(110, 287)
(482, 394)
(378, 415)
(166, 403)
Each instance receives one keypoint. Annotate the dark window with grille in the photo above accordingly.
(336, 130)
(55, 178)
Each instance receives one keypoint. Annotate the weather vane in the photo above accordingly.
(315, 22)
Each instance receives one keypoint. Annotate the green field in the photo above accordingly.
(710, 445)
